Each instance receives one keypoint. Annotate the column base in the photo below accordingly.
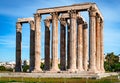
(55, 70)
(80, 69)
(102, 70)
(36, 71)
(47, 68)
(31, 69)
(92, 70)
(63, 68)
(85, 69)
(18, 69)
(72, 70)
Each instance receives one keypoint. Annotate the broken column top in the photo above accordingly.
(25, 20)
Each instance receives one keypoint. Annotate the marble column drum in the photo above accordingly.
(47, 44)
(85, 46)
(92, 41)
(80, 44)
(68, 44)
(73, 33)
(32, 45)
(37, 43)
(18, 67)
(54, 67)
(101, 48)
(98, 43)
(63, 44)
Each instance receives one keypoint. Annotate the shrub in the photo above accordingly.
(25, 68)
(2, 68)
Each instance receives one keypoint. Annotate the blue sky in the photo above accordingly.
(10, 11)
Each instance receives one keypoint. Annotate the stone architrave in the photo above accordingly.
(54, 67)
(18, 67)
(32, 45)
(72, 42)
(98, 43)
(101, 48)
(85, 46)
(63, 44)
(92, 40)
(47, 44)
(37, 43)
(80, 44)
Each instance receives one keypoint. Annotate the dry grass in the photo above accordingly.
(112, 79)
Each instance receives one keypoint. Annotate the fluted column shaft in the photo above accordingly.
(63, 44)
(80, 44)
(37, 43)
(47, 44)
(68, 44)
(85, 46)
(72, 42)
(32, 45)
(18, 67)
(92, 46)
(54, 42)
(98, 43)
(101, 48)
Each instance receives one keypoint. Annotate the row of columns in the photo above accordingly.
(18, 66)
(77, 46)
(96, 42)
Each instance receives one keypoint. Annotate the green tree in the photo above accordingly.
(112, 62)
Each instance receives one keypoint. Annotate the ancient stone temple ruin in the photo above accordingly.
(85, 51)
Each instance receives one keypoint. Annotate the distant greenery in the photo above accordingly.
(2, 68)
(112, 63)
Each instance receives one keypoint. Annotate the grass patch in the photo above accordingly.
(112, 79)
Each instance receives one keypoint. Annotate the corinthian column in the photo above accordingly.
(92, 47)
(101, 48)
(32, 45)
(68, 44)
(54, 42)
(47, 44)
(85, 46)
(37, 43)
(98, 43)
(63, 44)
(80, 44)
(18, 47)
(72, 42)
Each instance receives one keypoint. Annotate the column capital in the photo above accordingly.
(98, 19)
(101, 20)
(18, 26)
(63, 21)
(92, 12)
(32, 24)
(73, 14)
(80, 20)
(54, 15)
(85, 25)
(36, 16)
(47, 23)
